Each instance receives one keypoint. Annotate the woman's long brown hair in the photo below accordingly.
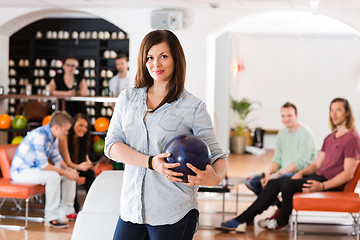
(143, 79)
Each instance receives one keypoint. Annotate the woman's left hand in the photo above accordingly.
(208, 177)
(84, 166)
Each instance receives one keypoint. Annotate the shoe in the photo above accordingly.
(276, 214)
(71, 216)
(56, 224)
(233, 225)
(269, 224)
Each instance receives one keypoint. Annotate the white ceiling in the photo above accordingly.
(223, 4)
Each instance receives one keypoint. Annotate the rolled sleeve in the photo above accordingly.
(115, 131)
(202, 127)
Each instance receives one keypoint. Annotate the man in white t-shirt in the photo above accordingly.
(121, 80)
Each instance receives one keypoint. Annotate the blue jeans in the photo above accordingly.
(254, 184)
(181, 230)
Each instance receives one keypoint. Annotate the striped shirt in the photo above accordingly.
(35, 149)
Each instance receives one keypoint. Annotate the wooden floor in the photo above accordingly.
(239, 165)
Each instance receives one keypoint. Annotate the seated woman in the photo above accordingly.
(74, 149)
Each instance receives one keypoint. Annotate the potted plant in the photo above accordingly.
(242, 109)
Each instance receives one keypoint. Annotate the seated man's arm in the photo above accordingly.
(289, 169)
(271, 174)
(312, 168)
(63, 170)
(350, 165)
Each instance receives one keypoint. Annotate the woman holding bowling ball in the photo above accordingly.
(155, 202)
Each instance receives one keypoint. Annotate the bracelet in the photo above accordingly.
(323, 186)
(150, 166)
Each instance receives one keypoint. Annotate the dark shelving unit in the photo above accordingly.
(27, 45)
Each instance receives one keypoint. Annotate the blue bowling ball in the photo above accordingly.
(188, 148)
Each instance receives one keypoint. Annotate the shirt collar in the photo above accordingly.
(48, 132)
(166, 105)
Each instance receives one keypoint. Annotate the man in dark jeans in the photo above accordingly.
(334, 166)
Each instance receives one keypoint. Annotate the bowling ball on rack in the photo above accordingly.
(99, 145)
(46, 120)
(95, 138)
(17, 140)
(5, 121)
(188, 148)
(19, 122)
(101, 124)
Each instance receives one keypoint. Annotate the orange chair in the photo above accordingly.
(345, 201)
(102, 166)
(8, 189)
(34, 111)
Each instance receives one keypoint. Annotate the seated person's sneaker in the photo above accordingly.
(276, 214)
(262, 222)
(56, 224)
(233, 225)
(269, 224)
(71, 216)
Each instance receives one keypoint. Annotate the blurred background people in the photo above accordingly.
(31, 165)
(69, 84)
(74, 148)
(121, 79)
(295, 150)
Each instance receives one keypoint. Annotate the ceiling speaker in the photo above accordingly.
(167, 19)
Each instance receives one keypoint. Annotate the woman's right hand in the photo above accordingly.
(84, 166)
(164, 168)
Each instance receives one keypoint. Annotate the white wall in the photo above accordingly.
(202, 24)
(309, 71)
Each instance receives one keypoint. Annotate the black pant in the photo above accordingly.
(89, 178)
(288, 187)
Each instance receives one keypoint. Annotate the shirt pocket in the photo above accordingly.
(128, 118)
(170, 122)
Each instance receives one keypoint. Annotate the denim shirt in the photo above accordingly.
(147, 196)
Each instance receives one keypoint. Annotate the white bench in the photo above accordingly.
(101, 209)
